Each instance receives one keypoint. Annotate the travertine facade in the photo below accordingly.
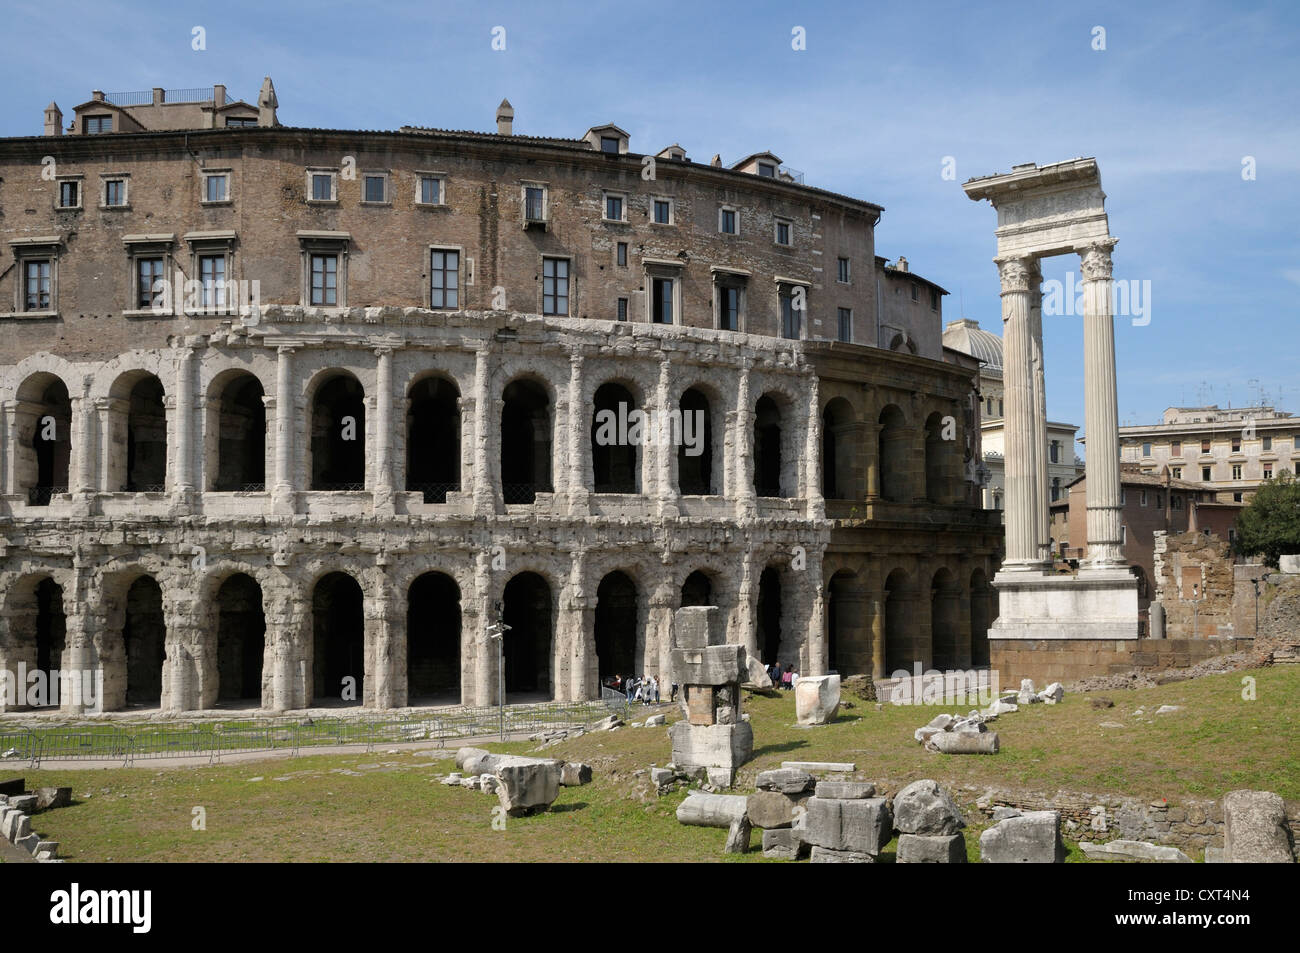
(341, 478)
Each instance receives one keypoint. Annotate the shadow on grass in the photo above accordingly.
(567, 808)
(784, 746)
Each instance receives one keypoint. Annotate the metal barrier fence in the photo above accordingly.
(132, 743)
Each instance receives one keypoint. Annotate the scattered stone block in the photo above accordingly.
(816, 699)
(575, 774)
(24, 802)
(784, 844)
(756, 674)
(845, 790)
(711, 746)
(716, 665)
(1133, 850)
(697, 627)
(1101, 703)
(1026, 695)
(46, 850)
(738, 837)
(1052, 694)
(830, 767)
(28, 842)
(925, 808)
(1033, 837)
(654, 721)
(1254, 828)
(931, 849)
(785, 780)
(527, 784)
(771, 809)
(1168, 709)
(49, 798)
(824, 855)
(466, 755)
(862, 825)
(964, 742)
(711, 810)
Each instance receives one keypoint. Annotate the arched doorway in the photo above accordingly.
(241, 436)
(525, 442)
(945, 606)
(936, 459)
(144, 642)
(616, 627)
(839, 451)
(338, 640)
(241, 639)
(44, 425)
(767, 448)
(981, 617)
(695, 451)
(697, 590)
(895, 471)
(338, 434)
(146, 437)
(433, 439)
(51, 634)
(769, 615)
(899, 650)
(433, 633)
(613, 459)
(528, 644)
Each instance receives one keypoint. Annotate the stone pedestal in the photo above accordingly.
(713, 736)
(1095, 604)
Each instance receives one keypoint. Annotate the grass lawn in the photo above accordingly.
(386, 807)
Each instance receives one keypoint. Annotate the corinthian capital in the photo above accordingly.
(1095, 260)
(1015, 273)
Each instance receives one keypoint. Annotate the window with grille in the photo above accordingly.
(444, 281)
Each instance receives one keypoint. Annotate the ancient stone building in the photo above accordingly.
(286, 410)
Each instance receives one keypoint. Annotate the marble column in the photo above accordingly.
(1041, 527)
(578, 434)
(1022, 478)
(84, 446)
(481, 474)
(383, 492)
(812, 462)
(283, 493)
(876, 599)
(1101, 413)
(665, 445)
(183, 483)
(742, 445)
(10, 410)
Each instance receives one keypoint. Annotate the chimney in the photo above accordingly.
(267, 104)
(97, 95)
(902, 263)
(505, 118)
(159, 96)
(219, 95)
(53, 120)
(716, 161)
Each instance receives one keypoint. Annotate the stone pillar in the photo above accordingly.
(871, 454)
(746, 605)
(1022, 478)
(483, 483)
(578, 434)
(876, 599)
(1042, 528)
(485, 648)
(576, 637)
(385, 685)
(183, 481)
(817, 635)
(283, 494)
(288, 646)
(659, 632)
(83, 446)
(10, 410)
(665, 446)
(742, 446)
(812, 456)
(1101, 413)
(383, 458)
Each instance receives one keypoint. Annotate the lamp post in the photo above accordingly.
(496, 631)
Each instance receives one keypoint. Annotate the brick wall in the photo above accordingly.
(1068, 660)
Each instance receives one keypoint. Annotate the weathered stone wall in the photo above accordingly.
(1069, 660)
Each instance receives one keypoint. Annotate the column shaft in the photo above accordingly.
(1022, 483)
(1101, 413)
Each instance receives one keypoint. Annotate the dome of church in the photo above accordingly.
(966, 335)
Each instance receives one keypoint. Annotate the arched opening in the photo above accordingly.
(899, 651)
(845, 651)
(697, 590)
(241, 436)
(338, 435)
(695, 451)
(339, 640)
(528, 654)
(769, 615)
(895, 473)
(525, 442)
(32, 639)
(44, 429)
(945, 605)
(981, 617)
(146, 437)
(433, 640)
(767, 448)
(241, 639)
(616, 627)
(51, 631)
(839, 451)
(613, 446)
(936, 458)
(144, 642)
(433, 439)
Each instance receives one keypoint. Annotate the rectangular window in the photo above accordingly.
(767, 170)
(240, 122)
(1176, 502)
(1176, 448)
(782, 232)
(622, 309)
(535, 203)
(1205, 474)
(727, 221)
(97, 124)
(729, 307)
(376, 188)
(1268, 472)
(1054, 452)
(216, 188)
(147, 271)
(846, 325)
(325, 280)
(1297, 467)
(789, 317)
(621, 254)
(69, 194)
(1146, 449)
(430, 190)
(1142, 498)
(322, 187)
(36, 285)
(843, 271)
(444, 280)
(1178, 473)
(662, 300)
(609, 145)
(934, 300)
(1160, 501)
(663, 211)
(555, 286)
(1268, 443)
(114, 192)
(614, 208)
(212, 276)
(1205, 446)
(1236, 445)
(1236, 471)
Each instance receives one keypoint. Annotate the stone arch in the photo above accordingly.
(528, 608)
(841, 451)
(981, 617)
(848, 649)
(770, 617)
(134, 648)
(43, 427)
(527, 440)
(338, 638)
(893, 453)
(615, 449)
(241, 639)
(774, 451)
(33, 638)
(619, 633)
(938, 454)
(945, 609)
(900, 649)
(699, 456)
(138, 447)
(336, 450)
(433, 639)
(433, 437)
(235, 438)
(697, 589)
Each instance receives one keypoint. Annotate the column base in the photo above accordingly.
(1090, 605)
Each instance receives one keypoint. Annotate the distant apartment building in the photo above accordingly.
(1233, 451)
(1063, 465)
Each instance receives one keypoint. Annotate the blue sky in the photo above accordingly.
(881, 94)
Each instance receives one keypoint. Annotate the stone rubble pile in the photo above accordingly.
(523, 785)
(16, 810)
(1023, 837)
(957, 734)
(816, 699)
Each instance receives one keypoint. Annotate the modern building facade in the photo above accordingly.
(290, 415)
